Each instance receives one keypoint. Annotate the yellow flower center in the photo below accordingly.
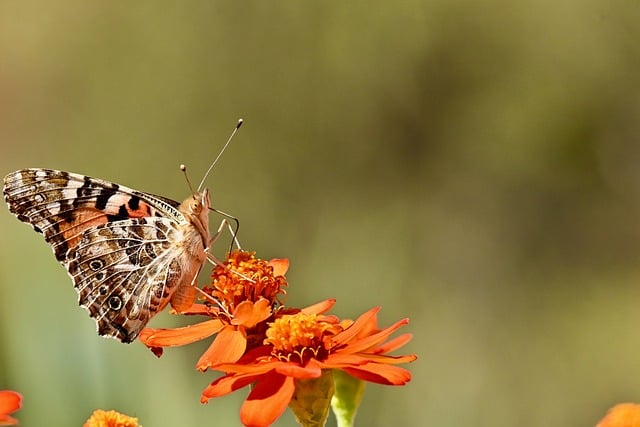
(298, 337)
(101, 418)
(244, 277)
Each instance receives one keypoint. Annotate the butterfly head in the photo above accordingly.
(196, 209)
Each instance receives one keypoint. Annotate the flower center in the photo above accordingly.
(244, 277)
(298, 337)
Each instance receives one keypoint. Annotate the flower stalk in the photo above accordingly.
(347, 398)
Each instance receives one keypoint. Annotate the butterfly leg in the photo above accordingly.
(224, 223)
(212, 258)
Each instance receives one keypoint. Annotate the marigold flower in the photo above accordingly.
(299, 346)
(622, 415)
(10, 401)
(245, 290)
(101, 418)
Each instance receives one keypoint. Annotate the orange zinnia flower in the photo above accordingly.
(10, 401)
(299, 346)
(101, 418)
(245, 290)
(622, 415)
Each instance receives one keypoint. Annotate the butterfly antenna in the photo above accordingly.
(183, 168)
(240, 121)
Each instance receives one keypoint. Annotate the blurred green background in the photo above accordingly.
(471, 165)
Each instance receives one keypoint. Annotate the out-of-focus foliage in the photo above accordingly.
(472, 165)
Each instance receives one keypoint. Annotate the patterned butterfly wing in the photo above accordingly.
(124, 249)
(62, 205)
(125, 272)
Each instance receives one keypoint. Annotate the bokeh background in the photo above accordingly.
(471, 165)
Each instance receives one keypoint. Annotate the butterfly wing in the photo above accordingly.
(125, 272)
(88, 222)
(62, 205)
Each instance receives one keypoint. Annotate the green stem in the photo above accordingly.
(347, 398)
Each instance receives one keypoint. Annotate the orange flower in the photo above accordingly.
(101, 418)
(245, 289)
(622, 415)
(10, 401)
(300, 346)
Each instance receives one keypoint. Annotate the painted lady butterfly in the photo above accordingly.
(128, 253)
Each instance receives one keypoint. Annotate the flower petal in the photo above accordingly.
(622, 415)
(6, 420)
(267, 401)
(380, 374)
(393, 344)
(10, 401)
(341, 360)
(179, 336)
(363, 322)
(280, 266)
(370, 341)
(249, 314)
(227, 384)
(311, 370)
(255, 367)
(319, 308)
(227, 347)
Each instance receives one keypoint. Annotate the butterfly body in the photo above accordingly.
(127, 252)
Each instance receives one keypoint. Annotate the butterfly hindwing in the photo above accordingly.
(125, 272)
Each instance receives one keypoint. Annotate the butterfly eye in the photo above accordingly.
(195, 205)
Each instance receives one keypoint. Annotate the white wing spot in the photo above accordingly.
(70, 190)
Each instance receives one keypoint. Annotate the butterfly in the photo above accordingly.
(129, 253)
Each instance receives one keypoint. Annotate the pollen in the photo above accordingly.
(298, 337)
(244, 277)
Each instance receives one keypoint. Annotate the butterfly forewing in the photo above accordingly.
(61, 205)
(126, 250)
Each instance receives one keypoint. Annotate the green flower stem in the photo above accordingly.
(347, 398)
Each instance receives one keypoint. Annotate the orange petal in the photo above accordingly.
(227, 347)
(249, 314)
(366, 343)
(300, 372)
(267, 401)
(179, 336)
(10, 401)
(342, 360)
(622, 415)
(380, 374)
(319, 308)
(393, 344)
(258, 367)
(6, 420)
(363, 322)
(280, 266)
(227, 384)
